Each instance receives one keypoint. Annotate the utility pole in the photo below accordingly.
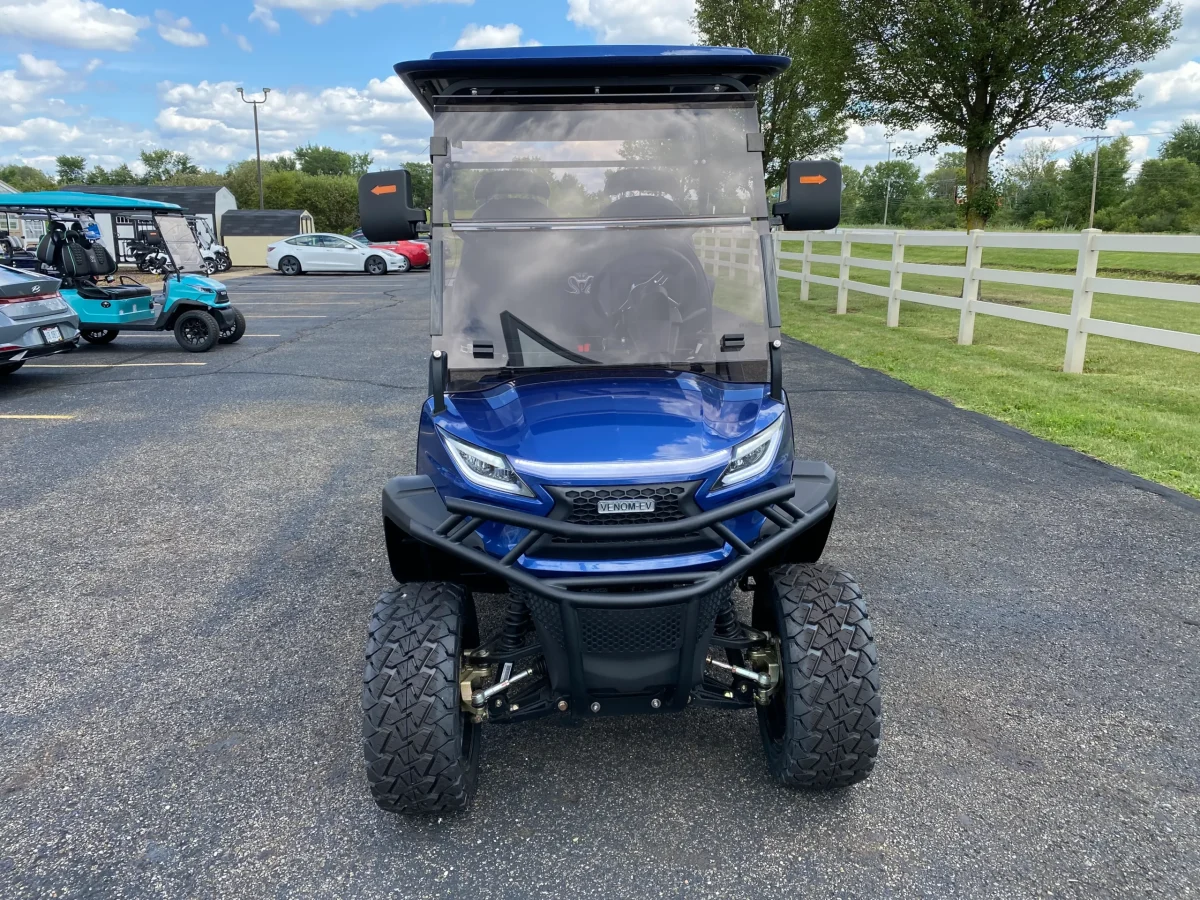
(1095, 178)
(887, 195)
(257, 148)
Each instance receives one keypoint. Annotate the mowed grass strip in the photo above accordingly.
(1136, 406)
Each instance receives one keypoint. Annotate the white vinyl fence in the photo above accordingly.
(1078, 324)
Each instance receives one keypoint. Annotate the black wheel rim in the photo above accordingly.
(194, 331)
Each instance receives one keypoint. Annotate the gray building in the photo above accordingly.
(203, 201)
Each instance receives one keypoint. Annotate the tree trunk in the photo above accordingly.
(977, 179)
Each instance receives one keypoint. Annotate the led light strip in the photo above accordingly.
(680, 468)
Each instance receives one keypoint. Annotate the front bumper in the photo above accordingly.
(616, 642)
(412, 504)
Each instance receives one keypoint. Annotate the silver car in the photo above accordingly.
(34, 319)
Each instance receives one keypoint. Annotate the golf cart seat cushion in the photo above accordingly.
(112, 291)
(100, 260)
(504, 183)
(49, 248)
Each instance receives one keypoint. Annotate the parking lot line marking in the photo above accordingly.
(168, 334)
(14, 416)
(110, 365)
(257, 316)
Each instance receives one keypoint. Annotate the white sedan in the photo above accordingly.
(331, 253)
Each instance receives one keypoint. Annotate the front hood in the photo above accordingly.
(608, 417)
(199, 281)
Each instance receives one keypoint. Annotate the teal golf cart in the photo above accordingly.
(195, 307)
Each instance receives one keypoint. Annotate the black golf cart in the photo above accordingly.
(607, 444)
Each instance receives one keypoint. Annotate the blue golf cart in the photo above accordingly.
(195, 307)
(607, 445)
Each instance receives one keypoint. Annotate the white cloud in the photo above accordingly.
(263, 15)
(635, 21)
(1178, 87)
(26, 88)
(240, 39)
(318, 11)
(71, 23)
(178, 31)
(40, 69)
(216, 125)
(474, 37)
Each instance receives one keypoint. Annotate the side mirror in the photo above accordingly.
(385, 208)
(812, 196)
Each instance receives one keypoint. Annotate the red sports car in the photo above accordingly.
(416, 252)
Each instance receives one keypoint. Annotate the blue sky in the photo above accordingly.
(105, 79)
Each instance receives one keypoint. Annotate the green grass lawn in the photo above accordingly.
(1136, 406)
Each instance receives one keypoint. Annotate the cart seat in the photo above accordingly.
(112, 291)
(83, 262)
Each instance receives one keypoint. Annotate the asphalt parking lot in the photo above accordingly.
(192, 553)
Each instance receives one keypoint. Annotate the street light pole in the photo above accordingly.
(257, 148)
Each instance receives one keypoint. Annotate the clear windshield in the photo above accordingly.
(601, 162)
(602, 236)
(181, 243)
(680, 296)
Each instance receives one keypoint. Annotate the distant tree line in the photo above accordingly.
(320, 179)
(1039, 191)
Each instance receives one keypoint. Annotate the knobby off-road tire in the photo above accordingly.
(422, 752)
(822, 727)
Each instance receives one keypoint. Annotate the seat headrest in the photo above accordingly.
(507, 183)
(643, 181)
(76, 236)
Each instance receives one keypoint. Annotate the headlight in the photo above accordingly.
(484, 468)
(753, 457)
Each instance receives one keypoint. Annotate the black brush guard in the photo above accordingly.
(618, 642)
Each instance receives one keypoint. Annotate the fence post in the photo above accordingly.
(1081, 301)
(806, 267)
(970, 293)
(893, 307)
(844, 275)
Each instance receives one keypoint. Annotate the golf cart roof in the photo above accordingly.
(80, 200)
(516, 73)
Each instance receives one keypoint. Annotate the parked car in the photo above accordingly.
(332, 253)
(414, 253)
(34, 319)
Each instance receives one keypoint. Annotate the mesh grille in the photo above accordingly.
(621, 630)
(651, 630)
(667, 504)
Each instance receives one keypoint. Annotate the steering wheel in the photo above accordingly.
(647, 295)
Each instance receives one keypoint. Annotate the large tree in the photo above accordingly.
(976, 72)
(322, 160)
(803, 111)
(1184, 143)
